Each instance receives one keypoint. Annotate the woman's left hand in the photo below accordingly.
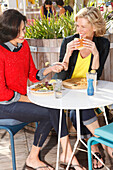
(90, 45)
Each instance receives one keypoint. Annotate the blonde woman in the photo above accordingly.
(90, 26)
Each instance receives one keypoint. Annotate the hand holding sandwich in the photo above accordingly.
(83, 45)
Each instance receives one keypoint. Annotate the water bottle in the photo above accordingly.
(90, 89)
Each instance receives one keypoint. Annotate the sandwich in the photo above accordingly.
(79, 47)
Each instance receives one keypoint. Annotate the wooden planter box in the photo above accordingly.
(43, 51)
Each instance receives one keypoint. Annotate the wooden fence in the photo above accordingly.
(47, 50)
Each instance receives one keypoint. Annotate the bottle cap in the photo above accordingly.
(93, 71)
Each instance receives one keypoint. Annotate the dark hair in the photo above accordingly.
(47, 2)
(60, 2)
(10, 22)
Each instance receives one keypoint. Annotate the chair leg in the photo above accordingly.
(93, 141)
(89, 154)
(36, 124)
(12, 151)
(105, 116)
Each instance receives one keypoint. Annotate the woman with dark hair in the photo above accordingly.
(47, 9)
(16, 67)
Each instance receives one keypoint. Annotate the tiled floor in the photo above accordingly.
(23, 143)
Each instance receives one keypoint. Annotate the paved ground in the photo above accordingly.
(23, 143)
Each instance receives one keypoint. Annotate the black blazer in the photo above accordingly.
(103, 46)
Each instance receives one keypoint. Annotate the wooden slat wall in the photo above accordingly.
(47, 50)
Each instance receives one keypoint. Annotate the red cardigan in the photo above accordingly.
(15, 69)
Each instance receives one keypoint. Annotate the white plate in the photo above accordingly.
(40, 92)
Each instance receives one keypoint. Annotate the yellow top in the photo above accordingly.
(81, 67)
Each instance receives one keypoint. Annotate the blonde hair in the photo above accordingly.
(93, 15)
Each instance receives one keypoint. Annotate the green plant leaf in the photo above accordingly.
(50, 28)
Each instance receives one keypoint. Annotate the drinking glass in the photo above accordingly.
(58, 88)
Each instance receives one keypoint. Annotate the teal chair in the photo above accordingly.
(105, 134)
(12, 126)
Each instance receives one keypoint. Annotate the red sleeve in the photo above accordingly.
(5, 93)
(32, 69)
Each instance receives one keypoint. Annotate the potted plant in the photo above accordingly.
(56, 27)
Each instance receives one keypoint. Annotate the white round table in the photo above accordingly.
(76, 99)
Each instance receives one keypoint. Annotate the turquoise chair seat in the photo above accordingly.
(12, 126)
(105, 134)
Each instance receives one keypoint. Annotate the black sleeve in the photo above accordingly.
(63, 50)
(103, 54)
(63, 74)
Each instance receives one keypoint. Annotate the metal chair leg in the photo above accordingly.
(89, 154)
(12, 150)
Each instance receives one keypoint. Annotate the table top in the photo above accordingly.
(77, 99)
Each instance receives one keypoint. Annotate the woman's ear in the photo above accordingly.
(94, 28)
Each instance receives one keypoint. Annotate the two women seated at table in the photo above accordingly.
(90, 26)
(16, 67)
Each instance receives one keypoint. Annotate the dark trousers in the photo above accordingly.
(87, 117)
(28, 112)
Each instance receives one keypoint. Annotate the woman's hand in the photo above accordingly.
(24, 99)
(71, 46)
(57, 67)
(65, 65)
(90, 45)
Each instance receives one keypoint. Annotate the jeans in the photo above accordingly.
(47, 118)
(87, 116)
